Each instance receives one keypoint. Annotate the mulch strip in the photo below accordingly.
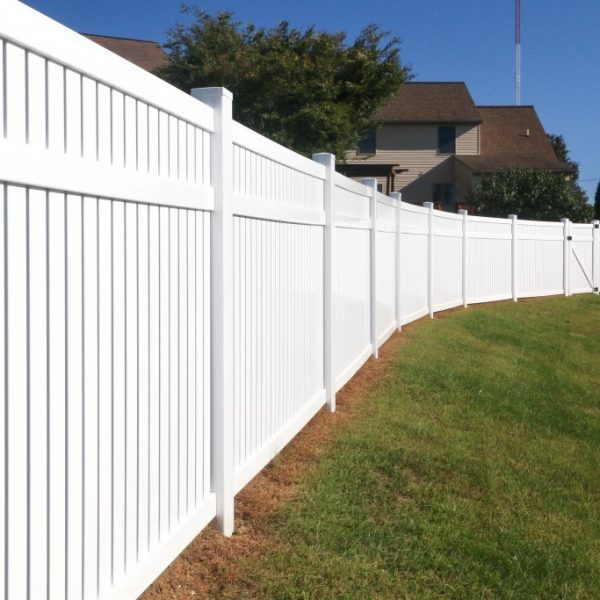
(212, 562)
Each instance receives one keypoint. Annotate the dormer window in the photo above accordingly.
(366, 144)
(446, 140)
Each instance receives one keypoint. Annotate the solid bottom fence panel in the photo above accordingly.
(352, 368)
(106, 406)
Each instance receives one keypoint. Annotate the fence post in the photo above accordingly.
(595, 256)
(221, 303)
(514, 274)
(465, 263)
(328, 160)
(397, 196)
(429, 205)
(371, 183)
(566, 256)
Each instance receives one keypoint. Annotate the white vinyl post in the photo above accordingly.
(429, 205)
(566, 256)
(328, 160)
(371, 183)
(514, 265)
(595, 256)
(397, 196)
(221, 303)
(465, 263)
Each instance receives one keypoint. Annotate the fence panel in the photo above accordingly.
(540, 258)
(351, 279)
(414, 232)
(105, 199)
(489, 255)
(386, 267)
(447, 260)
(278, 298)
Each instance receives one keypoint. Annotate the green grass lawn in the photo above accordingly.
(471, 471)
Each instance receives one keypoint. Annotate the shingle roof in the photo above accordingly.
(513, 136)
(430, 102)
(143, 53)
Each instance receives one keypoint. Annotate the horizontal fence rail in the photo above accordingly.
(179, 296)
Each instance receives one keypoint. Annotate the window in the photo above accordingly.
(444, 196)
(446, 140)
(366, 144)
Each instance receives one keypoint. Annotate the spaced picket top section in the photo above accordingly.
(278, 297)
(351, 278)
(73, 107)
(582, 259)
(489, 254)
(414, 240)
(386, 267)
(540, 251)
(447, 258)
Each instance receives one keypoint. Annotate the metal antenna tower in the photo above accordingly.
(518, 52)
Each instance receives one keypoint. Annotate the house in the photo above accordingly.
(144, 53)
(432, 143)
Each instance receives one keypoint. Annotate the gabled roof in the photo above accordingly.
(143, 53)
(430, 102)
(513, 136)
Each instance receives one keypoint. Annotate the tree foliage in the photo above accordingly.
(307, 89)
(530, 194)
(597, 203)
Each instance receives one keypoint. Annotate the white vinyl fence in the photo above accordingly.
(179, 296)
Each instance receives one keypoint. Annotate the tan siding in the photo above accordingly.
(467, 139)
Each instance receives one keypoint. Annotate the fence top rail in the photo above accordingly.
(440, 214)
(345, 183)
(255, 142)
(476, 219)
(36, 33)
(413, 208)
(383, 199)
(555, 224)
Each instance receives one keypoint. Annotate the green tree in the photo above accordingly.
(307, 89)
(597, 203)
(531, 194)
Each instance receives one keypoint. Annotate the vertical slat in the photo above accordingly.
(154, 148)
(105, 395)
(182, 360)
(206, 354)
(73, 112)
(131, 383)
(182, 161)
(91, 405)
(142, 154)
(56, 400)
(190, 153)
(38, 393)
(15, 94)
(56, 107)
(199, 341)
(3, 402)
(238, 353)
(36, 98)
(117, 113)
(17, 394)
(89, 116)
(154, 376)
(74, 507)
(207, 141)
(191, 358)
(131, 118)
(173, 146)
(143, 381)
(2, 130)
(104, 124)
(173, 283)
(164, 370)
(163, 150)
(118, 390)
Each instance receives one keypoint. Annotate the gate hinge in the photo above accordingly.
(570, 238)
(595, 289)
(596, 226)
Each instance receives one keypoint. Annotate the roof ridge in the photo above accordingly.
(505, 106)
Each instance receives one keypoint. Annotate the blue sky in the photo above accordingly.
(458, 40)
